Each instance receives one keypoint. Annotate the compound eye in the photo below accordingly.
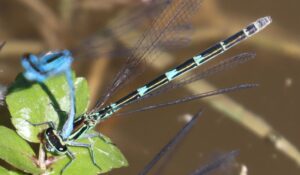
(53, 57)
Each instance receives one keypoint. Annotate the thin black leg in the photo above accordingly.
(49, 123)
(72, 158)
(89, 147)
(97, 134)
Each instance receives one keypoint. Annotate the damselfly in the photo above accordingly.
(177, 12)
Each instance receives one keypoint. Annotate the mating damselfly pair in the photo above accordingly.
(39, 68)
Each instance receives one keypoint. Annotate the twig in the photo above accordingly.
(66, 10)
(49, 25)
(17, 48)
(2, 45)
(101, 5)
(42, 156)
(253, 122)
(46, 15)
(96, 77)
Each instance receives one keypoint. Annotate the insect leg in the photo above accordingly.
(49, 123)
(97, 134)
(89, 147)
(72, 157)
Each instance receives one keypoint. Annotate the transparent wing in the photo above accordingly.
(120, 51)
(102, 42)
(223, 65)
(171, 144)
(177, 13)
(191, 98)
(216, 164)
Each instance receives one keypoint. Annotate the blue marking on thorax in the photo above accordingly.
(171, 74)
(198, 59)
(114, 107)
(106, 112)
(223, 46)
(142, 90)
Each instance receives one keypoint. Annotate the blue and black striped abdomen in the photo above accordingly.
(192, 63)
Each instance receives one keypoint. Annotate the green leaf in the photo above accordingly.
(107, 156)
(16, 151)
(29, 101)
(4, 171)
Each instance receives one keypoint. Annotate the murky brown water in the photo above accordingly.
(276, 69)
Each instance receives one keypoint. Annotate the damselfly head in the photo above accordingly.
(53, 142)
